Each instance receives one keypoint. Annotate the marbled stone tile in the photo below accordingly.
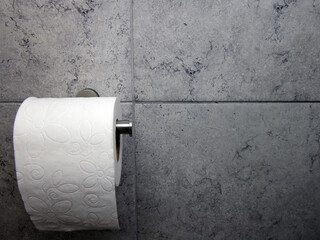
(228, 171)
(56, 48)
(227, 50)
(15, 222)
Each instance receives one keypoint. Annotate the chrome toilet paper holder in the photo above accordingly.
(122, 126)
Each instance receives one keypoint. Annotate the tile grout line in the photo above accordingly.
(133, 102)
(219, 102)
(133, 115)
(12, 102)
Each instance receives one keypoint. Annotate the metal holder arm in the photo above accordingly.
(122, 126)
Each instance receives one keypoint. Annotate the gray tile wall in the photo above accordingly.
(228, 171)
(225, 100)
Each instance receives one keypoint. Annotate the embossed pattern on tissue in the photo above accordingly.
(55, 198)
(102, 175)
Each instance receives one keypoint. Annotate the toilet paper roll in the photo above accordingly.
(66, 162)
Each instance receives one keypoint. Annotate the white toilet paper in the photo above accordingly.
(66, 162)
